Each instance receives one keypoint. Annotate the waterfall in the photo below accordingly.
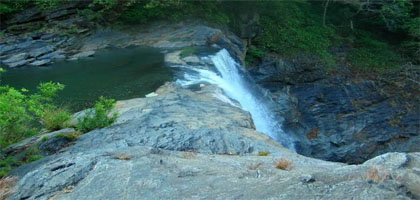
(234, 82)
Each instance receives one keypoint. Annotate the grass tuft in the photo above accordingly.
(263, 153)
(377, 175)
(284, 164)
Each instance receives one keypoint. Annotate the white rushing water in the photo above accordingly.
(236, 86)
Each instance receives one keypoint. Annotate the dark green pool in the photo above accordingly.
(117, 73)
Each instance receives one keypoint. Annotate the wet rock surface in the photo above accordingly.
(339, 118)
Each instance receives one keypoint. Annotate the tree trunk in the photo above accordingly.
(325, 13)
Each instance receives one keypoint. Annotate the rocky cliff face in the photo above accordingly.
(340, 116)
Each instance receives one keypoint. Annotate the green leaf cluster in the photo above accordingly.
(98, 116)
(23, 115)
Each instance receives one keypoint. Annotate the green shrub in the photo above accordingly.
(371, 54)
(105, 4)
(290, 28)
(146, 11)
(11, 6)
(45, 138)
(6, 165)
(31, 155)
(14, 117)
(263, 153)
(98, 116)
(21, 115)
(47, 4)
(90, 15)
(412, 46)
(56, 119)
(253, 54)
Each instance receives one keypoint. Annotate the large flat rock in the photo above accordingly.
(187, 144)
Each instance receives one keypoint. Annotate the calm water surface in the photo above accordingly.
(117, 73)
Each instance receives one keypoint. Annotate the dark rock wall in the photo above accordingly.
(339, 118)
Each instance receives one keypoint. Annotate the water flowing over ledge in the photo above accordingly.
(241, 88)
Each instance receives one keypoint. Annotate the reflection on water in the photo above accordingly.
(116, 73)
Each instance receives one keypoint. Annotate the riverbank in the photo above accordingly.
(196, 141)
(162, 145)
(343, 127)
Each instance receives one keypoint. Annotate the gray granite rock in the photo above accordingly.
(184, 144)
(18, 63)
(53, 55)
(82, 55)
(4, 48)
(16, 58)
(41, 51)
(41, 62)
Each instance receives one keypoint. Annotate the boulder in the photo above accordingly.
(191, 60)
(41, 51)
(27, 15)
(18, 63)
(60, 13)
(23, 45)
(40, 62)
(82, 55)
(4, 48)
(53, 55)
(48, 36)
(153, 94)
(16, 58)
(30, 45)
(35, 14)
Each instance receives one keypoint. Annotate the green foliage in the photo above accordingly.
(413, 27)
(253, 54)
(90, 15)
(56, 119)
(14, 117)
(33, 158)
(187, 52)
(45, 138)
(10, 6)
(146, 11)
(105, 4)
(21, 114)
(371, 54)
(4, 171)
(395, 13)
(256, 52)
(69, 136)
(411, 47)
(6, 165)
(47, 4)
(31, 154)
(263, 153)
(98, 116)
(290, 28)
